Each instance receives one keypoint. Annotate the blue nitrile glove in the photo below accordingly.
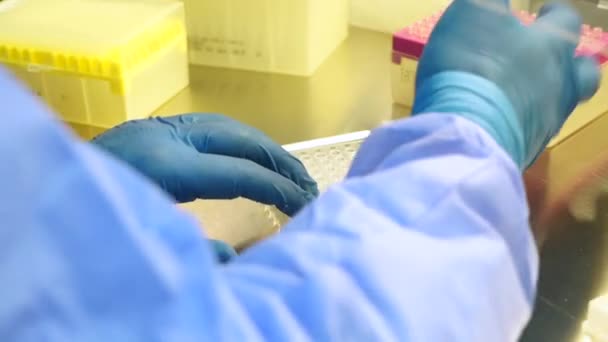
(211, 156)
(518, 83)
(223, 251)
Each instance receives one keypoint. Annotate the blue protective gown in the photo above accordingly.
(427, 240)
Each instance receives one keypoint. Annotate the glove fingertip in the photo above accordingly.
(588, 77)
(300, 175)
(308, 184)
(313, 189)
(295, 201)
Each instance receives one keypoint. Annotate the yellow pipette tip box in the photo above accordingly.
(96, 62)
(280, 36)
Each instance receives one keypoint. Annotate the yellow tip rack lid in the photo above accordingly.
(93, 38)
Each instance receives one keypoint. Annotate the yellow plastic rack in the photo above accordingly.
(64, 48)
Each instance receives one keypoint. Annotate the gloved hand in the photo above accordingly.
(518, 83)
(211, 156)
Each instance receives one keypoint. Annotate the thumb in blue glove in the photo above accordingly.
(223, 251)
(518, 83)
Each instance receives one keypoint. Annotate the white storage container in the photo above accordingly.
(282, 36)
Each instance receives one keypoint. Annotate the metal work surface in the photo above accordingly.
(351, 92)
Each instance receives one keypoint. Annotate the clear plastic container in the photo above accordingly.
(409, 43)
(96, 62)
(282, 36)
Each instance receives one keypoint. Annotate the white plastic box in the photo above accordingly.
(95, 62)
(282, 36)
(408, 45)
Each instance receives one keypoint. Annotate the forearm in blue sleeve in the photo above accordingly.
(427, 240)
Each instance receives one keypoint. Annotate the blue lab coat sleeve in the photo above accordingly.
(427, 240)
